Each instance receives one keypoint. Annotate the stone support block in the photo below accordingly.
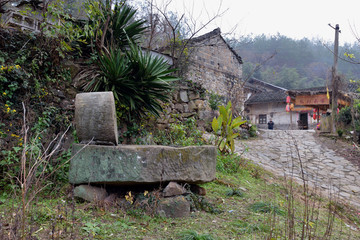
(90, 193)
(174, 207)
(173, 189)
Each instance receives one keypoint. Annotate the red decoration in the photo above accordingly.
(314, 116)
(314, 110)
(288, 99)
(287, 108)
(338, 111)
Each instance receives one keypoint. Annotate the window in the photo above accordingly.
(262, 119)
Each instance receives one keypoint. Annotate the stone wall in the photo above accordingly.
(188, 101)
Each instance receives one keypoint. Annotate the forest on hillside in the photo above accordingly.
(294, 63)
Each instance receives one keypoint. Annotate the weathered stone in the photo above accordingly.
(173, 189)
(194, 95)
(95, 118)
(110, 199)
(161, 126)
(90, 193)
(162, 121)
(184, 96)
(198, 190)
(206, 115)
(186, 108)
(187, 115)
(2, 143)
(139, 164)
(179, 107)
(200, 104)
(174, 207)
(172, 120)
(192, 106)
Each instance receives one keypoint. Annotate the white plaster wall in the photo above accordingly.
(274, 111)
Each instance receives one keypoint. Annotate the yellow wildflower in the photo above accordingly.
(17, 66)
(129, 197)
(14, 111)
(8, 110)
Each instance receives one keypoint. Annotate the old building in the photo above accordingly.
(266, 102)
(216, 66)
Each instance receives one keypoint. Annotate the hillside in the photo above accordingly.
(296, 63)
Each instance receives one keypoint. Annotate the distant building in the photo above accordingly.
(266, 102)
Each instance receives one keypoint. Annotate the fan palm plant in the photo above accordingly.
(138, 80)
(111, 26)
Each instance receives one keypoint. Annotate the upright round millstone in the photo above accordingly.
(95, 118)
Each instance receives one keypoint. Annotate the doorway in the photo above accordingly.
(303, 121)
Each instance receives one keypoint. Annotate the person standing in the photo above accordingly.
(271, 125)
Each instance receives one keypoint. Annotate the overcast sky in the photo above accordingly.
(295, 19)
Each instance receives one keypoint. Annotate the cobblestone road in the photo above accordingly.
(276, 151)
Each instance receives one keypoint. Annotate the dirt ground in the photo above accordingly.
(344, 148)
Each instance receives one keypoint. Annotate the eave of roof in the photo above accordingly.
(266, 97)
(260, 82)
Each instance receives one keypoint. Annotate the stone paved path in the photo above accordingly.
(276, 151)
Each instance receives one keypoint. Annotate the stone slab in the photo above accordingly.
(140, 164)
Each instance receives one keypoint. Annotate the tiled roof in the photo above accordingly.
(265, 97)
(254, 83)
(216, 32)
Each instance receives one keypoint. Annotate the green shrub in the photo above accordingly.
(180, 134)
(215, 100)
(340, 132)
(193, 235)
(224, 127)
(229, 163)
(252, 131)
(235, 192)
(245, 227)
(344, 116)
(266, 207)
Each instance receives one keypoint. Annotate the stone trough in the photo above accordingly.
(101, 163)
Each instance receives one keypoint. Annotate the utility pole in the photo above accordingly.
(334, 80)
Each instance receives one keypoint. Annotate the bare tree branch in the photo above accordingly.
(343, 59)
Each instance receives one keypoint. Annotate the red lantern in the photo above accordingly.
(288, 99)
(314, 110)
(314, 116)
